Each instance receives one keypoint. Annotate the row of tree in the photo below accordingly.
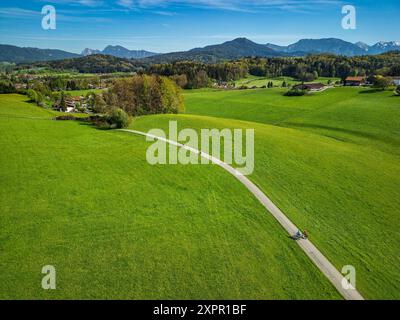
(192, 75)
(326, 65)
(196, 74)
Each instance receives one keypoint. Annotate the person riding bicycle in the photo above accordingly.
(298, 235)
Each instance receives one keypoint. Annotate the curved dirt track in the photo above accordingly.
(323, 264)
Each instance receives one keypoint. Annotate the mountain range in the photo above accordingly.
(331, 45)
(230, 50)
(235, 49)
(120, 52)
(336, 46)
(15, 54)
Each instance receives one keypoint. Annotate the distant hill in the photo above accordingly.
(335, 46)
(108, 64)
(381, 47)
(9, 53)
(99, 63)
(276, 47)
(230, 50)
(16, 54)
(120, 52)
(363, 46)
(330, 45)
(89, 52)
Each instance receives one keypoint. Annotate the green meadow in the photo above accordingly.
(329, 160)
(87, 202)
(255, 81)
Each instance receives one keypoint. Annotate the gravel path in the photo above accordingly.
(323, 264)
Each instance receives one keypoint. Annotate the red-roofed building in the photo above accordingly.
(355, 81)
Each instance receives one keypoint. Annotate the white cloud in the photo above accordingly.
(18, 12)
(230, 5)
(87, 3)
(125, 3)
(233, 5)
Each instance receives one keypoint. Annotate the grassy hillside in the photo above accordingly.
(87, 202)
(355, 114)
(331, 163)
(254, 81)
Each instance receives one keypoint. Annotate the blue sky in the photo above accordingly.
(174, 25)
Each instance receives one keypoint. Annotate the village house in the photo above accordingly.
(20, 86)
(355, 81)
(223, 85)
(71, 104)
(313, 87)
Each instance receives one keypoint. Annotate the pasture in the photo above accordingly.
(329, 160)
(87, 202)
(255, 81)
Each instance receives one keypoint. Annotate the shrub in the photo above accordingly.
(65, 118)
(40, 99)
(398, 90)
(118, 118)
(115, 119)
(99, 121)
(7, 87)
(295, 93)
(95, 102)
(382, 82)
(32, 95)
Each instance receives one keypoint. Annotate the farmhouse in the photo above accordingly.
(355, 81)
(396, 81)
(21, 86)
(223, 85)
(71, 104)
(310, 86)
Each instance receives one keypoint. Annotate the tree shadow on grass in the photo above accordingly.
(93, 125)
(94, 122)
